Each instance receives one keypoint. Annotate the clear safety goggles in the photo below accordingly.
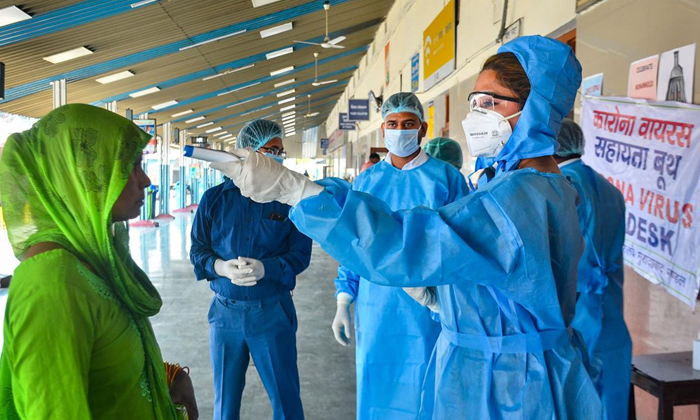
(274, 151)
(489, 100)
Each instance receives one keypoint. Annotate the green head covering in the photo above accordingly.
(59, 181)
(447, 150)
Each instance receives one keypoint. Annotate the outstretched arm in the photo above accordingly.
(469, 240)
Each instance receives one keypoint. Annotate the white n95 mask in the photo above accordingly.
(487, 131)
(401, 143)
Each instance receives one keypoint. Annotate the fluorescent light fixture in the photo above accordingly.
(286, 92)
(290, 117)
(142, 3)
(244, 102)
(289, 113)
(276, 30)
(286, 82)
(237, 89)
(228, 72)
(14, 14)
(215, 129)
(258, 3)
(279, 53)
(288, 108)
(68, 55)
(220, 134)
(180, 114)
(114, 77)
(145, 92)
(205, 124)
(164, 105)
(255, 110)
(218, 38)
(293, 133)
(294, 121)
(200, 118)
(286, 101)
(227, 136)
(281, 71)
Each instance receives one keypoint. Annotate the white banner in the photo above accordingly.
(651, 152)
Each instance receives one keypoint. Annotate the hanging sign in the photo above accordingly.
(439, 47)
(344, 124)
(358, 110)
(649, 151)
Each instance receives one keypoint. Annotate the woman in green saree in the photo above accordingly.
(78, 340)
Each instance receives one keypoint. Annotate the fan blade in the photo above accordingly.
(336, 46)
(338, 40)
(312, 115)
(308, 43)
(327, 82)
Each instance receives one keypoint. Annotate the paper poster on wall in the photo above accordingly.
(387, 74)
(431, 118)
(439, 47)
(415, 72)
(642, 79)
(676, 73)
(649, 150)
(592, 85)
(149, 126)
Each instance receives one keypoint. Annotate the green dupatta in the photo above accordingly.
(58, 182)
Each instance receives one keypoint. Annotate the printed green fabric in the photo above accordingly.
(58, 182)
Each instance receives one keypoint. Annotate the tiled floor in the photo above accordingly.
(326, 369)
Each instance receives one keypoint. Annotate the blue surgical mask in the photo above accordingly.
(401, 143)
(279, 159)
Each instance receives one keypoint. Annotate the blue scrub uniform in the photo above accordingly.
(395, 334)
(504, 257)
(258, 321)
(599, 309)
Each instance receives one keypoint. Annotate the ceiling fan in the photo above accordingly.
(316, 82)
(310, 114)
(327, 41)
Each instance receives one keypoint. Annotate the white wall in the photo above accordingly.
(476, 31)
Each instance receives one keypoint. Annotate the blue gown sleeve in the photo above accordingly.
(470, 240)
(459, 188)
(284, 268)
(347, 282)
(202, 255)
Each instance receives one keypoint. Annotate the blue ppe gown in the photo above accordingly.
(599, 309)
(504, 259)
(258, 321)
(395, 334)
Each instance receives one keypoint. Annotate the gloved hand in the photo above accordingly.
(426, 296)
(262, 179)
(241, 271)
(341, 323)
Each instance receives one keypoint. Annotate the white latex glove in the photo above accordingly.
(426, 296)
(262, 179)
(342, 330)
(240, 271)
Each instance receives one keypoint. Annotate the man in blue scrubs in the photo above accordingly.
(395, 334)
(251, 254)
(599, 308)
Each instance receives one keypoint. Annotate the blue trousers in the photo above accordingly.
(266, 330)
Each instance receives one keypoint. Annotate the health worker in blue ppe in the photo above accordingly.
(395, 334)
(504, 258)
(251, 254)
(446, 150)
(599, 309)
